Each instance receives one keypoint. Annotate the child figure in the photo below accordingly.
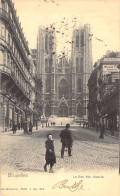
(50, 153)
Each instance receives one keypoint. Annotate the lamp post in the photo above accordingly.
(43, 117)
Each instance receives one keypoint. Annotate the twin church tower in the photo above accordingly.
(65, 92)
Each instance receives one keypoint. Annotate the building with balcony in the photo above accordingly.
(33, 61)
(17, 84)
(38, 107)
(106, 91)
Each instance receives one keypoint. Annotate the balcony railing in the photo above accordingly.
(11, 74)
(5, 69)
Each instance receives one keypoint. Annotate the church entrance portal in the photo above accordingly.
(63, 110)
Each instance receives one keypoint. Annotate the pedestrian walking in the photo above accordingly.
(102, 131)
(14, 127)
(67, 140)
(50, 153)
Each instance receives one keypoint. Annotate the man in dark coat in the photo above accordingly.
(67, 140)
(14, 127)
(30, 127)
(102, 131)
(50, 153)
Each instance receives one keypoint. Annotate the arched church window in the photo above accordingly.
(63, 89)
(50, 64)
(60, 63)
(46, 43)
(77, 41)
(48, 86)
(81, 65)
(66, 63)
(77, 65)
(50, 42)
(79, 85)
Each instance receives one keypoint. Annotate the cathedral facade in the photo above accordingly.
(65, 92)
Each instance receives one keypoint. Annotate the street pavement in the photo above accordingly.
(20, 152)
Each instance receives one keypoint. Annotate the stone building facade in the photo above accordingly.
(81, 69)
(16, 81)
(104, 87)
(65, 91)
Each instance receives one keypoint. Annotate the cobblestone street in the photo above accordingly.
(21, 152)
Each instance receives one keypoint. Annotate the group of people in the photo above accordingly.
(27, 128)
(66, 140)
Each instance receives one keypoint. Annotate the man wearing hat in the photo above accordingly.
(67, 140)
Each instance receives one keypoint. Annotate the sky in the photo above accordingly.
(103, 15)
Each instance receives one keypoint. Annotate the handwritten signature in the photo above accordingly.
(63, 184)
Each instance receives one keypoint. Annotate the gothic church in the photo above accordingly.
(65, 91)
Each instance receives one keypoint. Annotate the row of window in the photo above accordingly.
(48, 43)
(48, 65)
(5, 34)
(5, 59)
(6, 9)
(79, 65)
(7, 37)
(63, 110)
(63, 87)
(79, 41)
(14, 50)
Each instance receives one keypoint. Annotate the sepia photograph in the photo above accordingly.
(59, 97)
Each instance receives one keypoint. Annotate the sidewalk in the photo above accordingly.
(107, 132)
(19, 131)
(40, 128)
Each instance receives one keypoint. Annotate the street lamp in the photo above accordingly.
(43, 117)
